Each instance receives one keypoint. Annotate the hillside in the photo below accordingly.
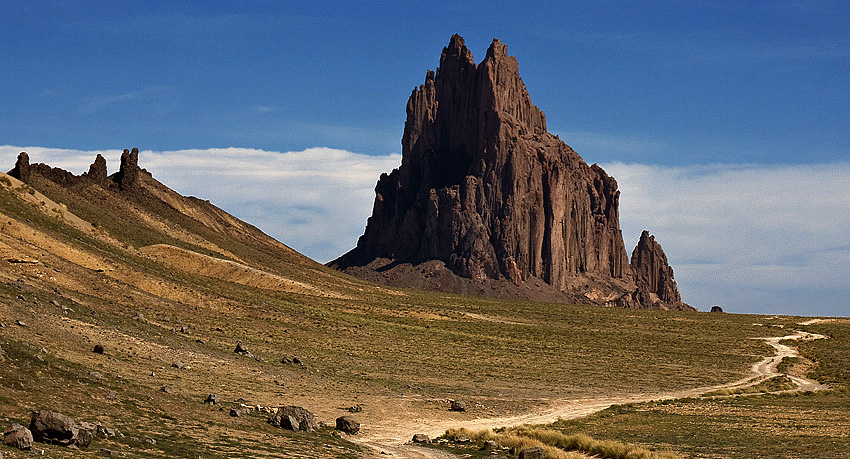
(158, 279)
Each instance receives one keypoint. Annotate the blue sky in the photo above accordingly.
(721, 94)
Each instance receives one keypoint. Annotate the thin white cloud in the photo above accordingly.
(766, 239)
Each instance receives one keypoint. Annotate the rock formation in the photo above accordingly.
(656, 287)
(505, 207)
(127, 177)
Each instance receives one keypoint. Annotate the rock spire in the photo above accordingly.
(484, 189)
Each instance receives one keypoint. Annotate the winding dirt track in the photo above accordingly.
(390, 439)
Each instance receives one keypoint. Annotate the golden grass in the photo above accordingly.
(557, 445)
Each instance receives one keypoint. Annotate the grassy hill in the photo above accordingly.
(155, 278)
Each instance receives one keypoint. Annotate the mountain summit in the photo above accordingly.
(486, 201)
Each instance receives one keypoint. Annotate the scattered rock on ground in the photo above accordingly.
(347, 424)
(421, 438)
(20, 323)
(490, 445)
(531, 453)
(178, 364)
(18, 436)
(241, 350)
(355, 408)
(212, 399)
(458, 405)
(288, 417)
(52, 427)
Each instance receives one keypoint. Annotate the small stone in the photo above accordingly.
(240, 349)
(178, 364)
(168, 388)
(458, 405)
(355, 409)
(212, 399)
(20, 323)
(106, 452)
(96, 374)
(462, 439)
(347, 424)
(716, 309)
(98, 349)
(421, 438)
(150, 440)
(237, 412)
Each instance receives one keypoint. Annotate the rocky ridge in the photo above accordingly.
(486, 201)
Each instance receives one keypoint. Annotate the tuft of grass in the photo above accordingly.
(557, 445)
(775, 384)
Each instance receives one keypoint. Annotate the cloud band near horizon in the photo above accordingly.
(751, 238)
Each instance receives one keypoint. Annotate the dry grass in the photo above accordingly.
(557, 445)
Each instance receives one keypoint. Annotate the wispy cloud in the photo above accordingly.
(97, 103)
(752, 238)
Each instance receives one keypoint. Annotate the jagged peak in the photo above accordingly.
(497, 49)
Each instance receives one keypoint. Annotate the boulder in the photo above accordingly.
(347, 424)
(420, 438)
(489, 445)
(531, 453)
(294, 418)
(52, 427)
(458, 405)
(716, 309)
(18, 436)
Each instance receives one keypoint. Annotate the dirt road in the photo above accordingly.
(392, 437)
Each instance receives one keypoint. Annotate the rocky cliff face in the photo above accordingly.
(485, 189)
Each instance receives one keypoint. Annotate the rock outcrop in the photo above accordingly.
(656, 287)
(127, 177)
(503, 206)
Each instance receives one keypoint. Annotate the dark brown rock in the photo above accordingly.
(211, 399)
(22, 168)
(655, 286)
(507, 208)
(716, 309)
(98, 349)
(421, 438)
(458, 405)
(52, 427)
(347, 424)
(127, 176)
(97, 171)
(18, 436)
(531, 453)
(294, 418)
